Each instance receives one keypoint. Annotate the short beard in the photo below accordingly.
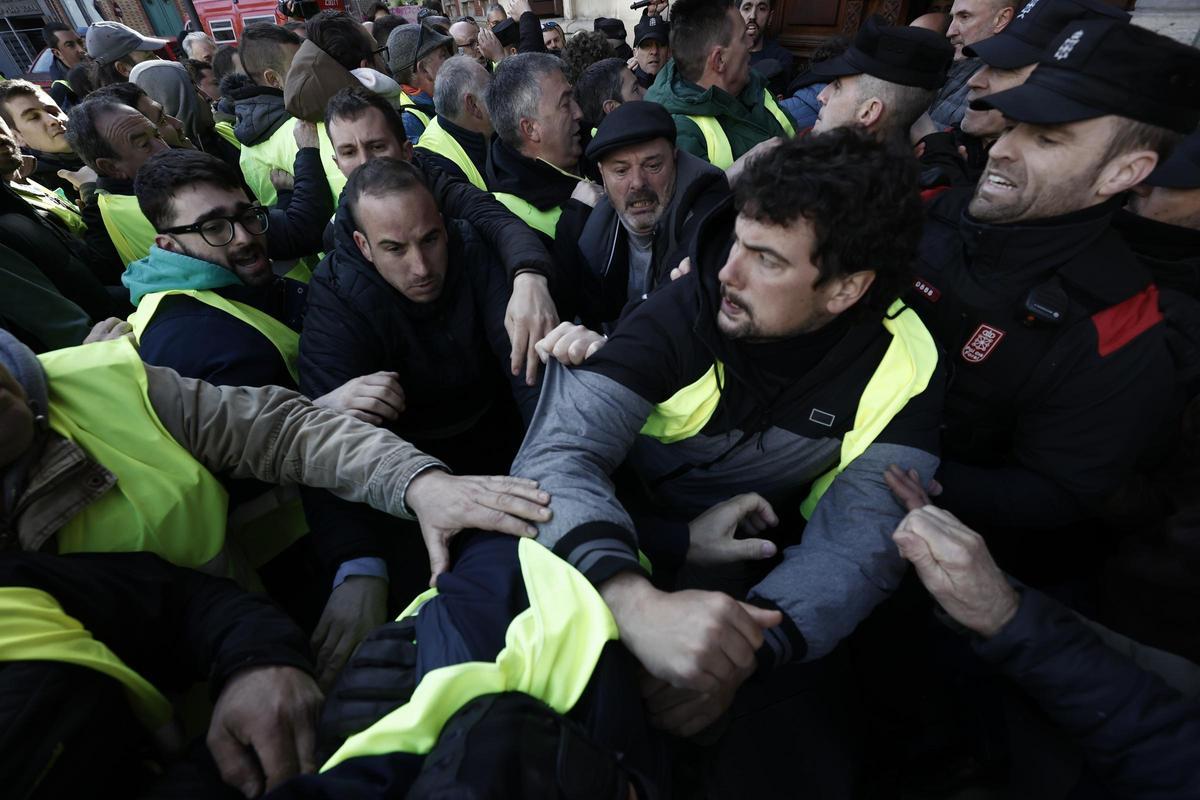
(1055, 200)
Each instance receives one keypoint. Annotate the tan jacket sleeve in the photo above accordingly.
(277, 436)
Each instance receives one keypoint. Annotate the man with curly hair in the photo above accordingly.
(782, 364)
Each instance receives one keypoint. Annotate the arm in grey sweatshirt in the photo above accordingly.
(846, 562)
(584, 426)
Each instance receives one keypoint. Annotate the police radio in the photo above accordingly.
(1046, 304)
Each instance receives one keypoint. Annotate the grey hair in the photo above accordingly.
(516, 90)
(903, 105)
(458, 77)
(189, 41)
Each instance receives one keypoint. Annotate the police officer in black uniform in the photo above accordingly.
(1061, 375)
(1161, 223)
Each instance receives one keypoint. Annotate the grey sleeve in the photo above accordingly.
(846, 562)
(583, 428)
(277, 436)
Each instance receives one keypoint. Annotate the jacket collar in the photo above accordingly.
(475, 144)
(164, 270)
(537, 182)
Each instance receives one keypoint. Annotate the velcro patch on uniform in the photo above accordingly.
(931, 292)
(981, 344)
(821, 417)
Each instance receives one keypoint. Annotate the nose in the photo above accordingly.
(1005, 148)
(731, 272)
(823, 97)
(979, 80)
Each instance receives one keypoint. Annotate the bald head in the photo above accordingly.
(938, 22)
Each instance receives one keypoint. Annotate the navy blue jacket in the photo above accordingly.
(1141, 737)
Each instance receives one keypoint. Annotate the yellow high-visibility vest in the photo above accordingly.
(435, 139)
(720, 153)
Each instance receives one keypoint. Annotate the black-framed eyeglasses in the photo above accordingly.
(218, 231)
(382, 52)
(465, 18)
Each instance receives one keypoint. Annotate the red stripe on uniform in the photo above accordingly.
(929, 194)
(1121, 324)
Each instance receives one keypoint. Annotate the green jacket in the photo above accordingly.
(745, 119)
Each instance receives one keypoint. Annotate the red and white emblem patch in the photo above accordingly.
(981, 344)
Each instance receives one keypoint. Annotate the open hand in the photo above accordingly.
(712, 538)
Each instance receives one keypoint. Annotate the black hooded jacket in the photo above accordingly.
(451, 355)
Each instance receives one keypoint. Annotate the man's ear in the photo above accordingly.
(406, 151)
(715, 63)
(870, 112)
(848, 290)
(166, 242)
(122, 68)
(364, 246)
(1002, 18)
(531, 130)
(608, 106)
(18, 138)
(1125, 172)
(107, 166)
(272, 78)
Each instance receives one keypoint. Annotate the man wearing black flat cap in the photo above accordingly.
(884, 81)
(625, 247)
(1062, 374)
(651, 48)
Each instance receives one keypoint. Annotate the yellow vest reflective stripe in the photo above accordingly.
(550, 651)
(65, 84)
(164, 501)
(531, 215)
(279, 152)
(54, 203)
(720, 154)
(34, 627)
(286, 340)
(131, 233)
(902, 374)
(435, 139)
(224, 129)
(409, 105)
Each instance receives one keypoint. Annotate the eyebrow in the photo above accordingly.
(770, 251)
(222, 211)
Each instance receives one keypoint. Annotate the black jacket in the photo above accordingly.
(1043, 417)
(592, 246)
(1172, 254)
(1139, 736)
(536, 182)
(172, 625)
(452, 357)
(518, 248)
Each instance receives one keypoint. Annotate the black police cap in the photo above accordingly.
(508, 32)
(1182, 169)
(1096, 67)
(1034, 27)
(908, 56)
(631, 123)
(612, 27)
(654, 27)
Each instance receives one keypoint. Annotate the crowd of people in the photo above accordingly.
(471, 408)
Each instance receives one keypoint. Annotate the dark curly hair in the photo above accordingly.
(160, 180)
(584, 49)
(861, 197)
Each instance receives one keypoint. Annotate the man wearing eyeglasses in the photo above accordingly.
(466, 39)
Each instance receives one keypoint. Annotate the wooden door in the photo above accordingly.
(802, 25)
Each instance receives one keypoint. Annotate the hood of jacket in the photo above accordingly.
(168, 83)
(375, 81)
(259, 111)
(164, 270)
(537, 182)
(312, 80)
(680, 96)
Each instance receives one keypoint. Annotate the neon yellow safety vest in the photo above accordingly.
(286, 340)
(720, 154)
(279, 152)
(435, 139)
(903, 373)
(531, 215)
(54, 203)
(550, 651)
(224, 129)
(131, 233)
(409, 105)
(264, 527)
(34, 627)
(164, 501)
